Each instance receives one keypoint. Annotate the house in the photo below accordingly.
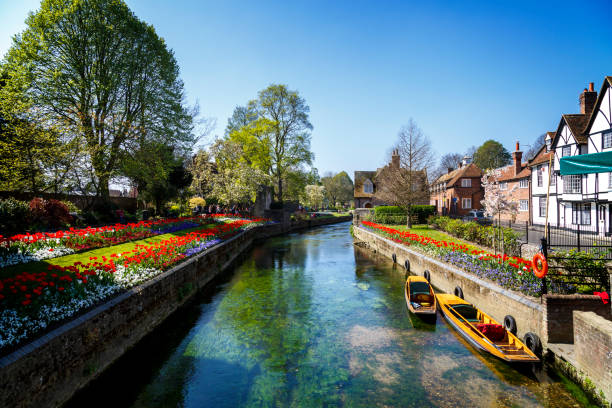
(539, 186)
(458, 191)
(515, 179)
(583, 200)
(368, 183)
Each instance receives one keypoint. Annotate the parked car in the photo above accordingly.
(479, 217)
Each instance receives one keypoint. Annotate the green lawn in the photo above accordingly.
(34, 267)
(427, 231)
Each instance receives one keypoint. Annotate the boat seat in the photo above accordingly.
(468, 312)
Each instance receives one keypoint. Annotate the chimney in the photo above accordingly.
(395, 160)
(460, 164)
(588, 99)
(449, 169)
(517, 156)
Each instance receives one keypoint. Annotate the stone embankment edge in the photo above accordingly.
(50, 369)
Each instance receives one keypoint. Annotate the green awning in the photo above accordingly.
(586, 163)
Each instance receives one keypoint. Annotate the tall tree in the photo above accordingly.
(286, 114)
(447, 161)
(338, 188)
(93, 69)
(404, 181)
(491, 155)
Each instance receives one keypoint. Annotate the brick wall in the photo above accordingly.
(593, 349)
(558, 319)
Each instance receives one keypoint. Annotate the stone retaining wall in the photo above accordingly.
(593, 350)
(48, 371)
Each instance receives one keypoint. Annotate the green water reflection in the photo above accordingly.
(309, 320)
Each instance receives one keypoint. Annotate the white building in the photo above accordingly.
(584, 199)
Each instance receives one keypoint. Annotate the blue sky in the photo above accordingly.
(464, 71)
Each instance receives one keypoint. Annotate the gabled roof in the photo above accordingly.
(507, 172)
(577, 123)
(607, 83)
(360, 178)
(542, 156)
(470, 170)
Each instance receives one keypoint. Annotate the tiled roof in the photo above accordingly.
(541, 157)
(577, 124)
(470, 170)
(507, 172)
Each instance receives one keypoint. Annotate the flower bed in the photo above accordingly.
(24, 248)
(29, 302)
(507, 271)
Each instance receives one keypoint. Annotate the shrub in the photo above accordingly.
(423, 212)
(391, 214)
(71, 206)
(589, 268)
(14, 216)
(479, 234)
(195, 201)
(49, 213)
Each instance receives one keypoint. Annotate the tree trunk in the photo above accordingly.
(408, 218)
(279, 193)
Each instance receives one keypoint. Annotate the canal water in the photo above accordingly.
(310, 320)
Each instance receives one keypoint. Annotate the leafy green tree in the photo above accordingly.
(242, 116)
(286, 115)
(338, 188)
(491, 155)
(94, 70)
(163, 178)
(227, 176)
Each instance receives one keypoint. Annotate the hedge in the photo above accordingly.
(390, 214)
(480, 234)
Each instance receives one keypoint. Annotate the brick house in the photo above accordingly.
(515, 178)
(367, 183)
(458, 191)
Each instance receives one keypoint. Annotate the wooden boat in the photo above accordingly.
(420, 297)
(482, 331)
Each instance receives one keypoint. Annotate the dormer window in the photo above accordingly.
(466, 182)
(368, 187)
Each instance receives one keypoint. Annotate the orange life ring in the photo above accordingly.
(539, 272)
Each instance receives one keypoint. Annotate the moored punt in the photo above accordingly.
(482, 331)
(420, 297)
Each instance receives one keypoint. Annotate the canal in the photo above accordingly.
(310, 320)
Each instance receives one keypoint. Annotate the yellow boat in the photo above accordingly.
(471, 323)
(420, 297)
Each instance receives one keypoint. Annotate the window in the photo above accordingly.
(584, 149)
(566, 151)
(503, 186)
(368, 187)
(466, 182)
(466, 203)
(610, 181)
(524, 205)
(553, 179)
(542, 207)
(581, 214)
(524, 183)
(572, 184)
(539, 172)
(607, 140)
